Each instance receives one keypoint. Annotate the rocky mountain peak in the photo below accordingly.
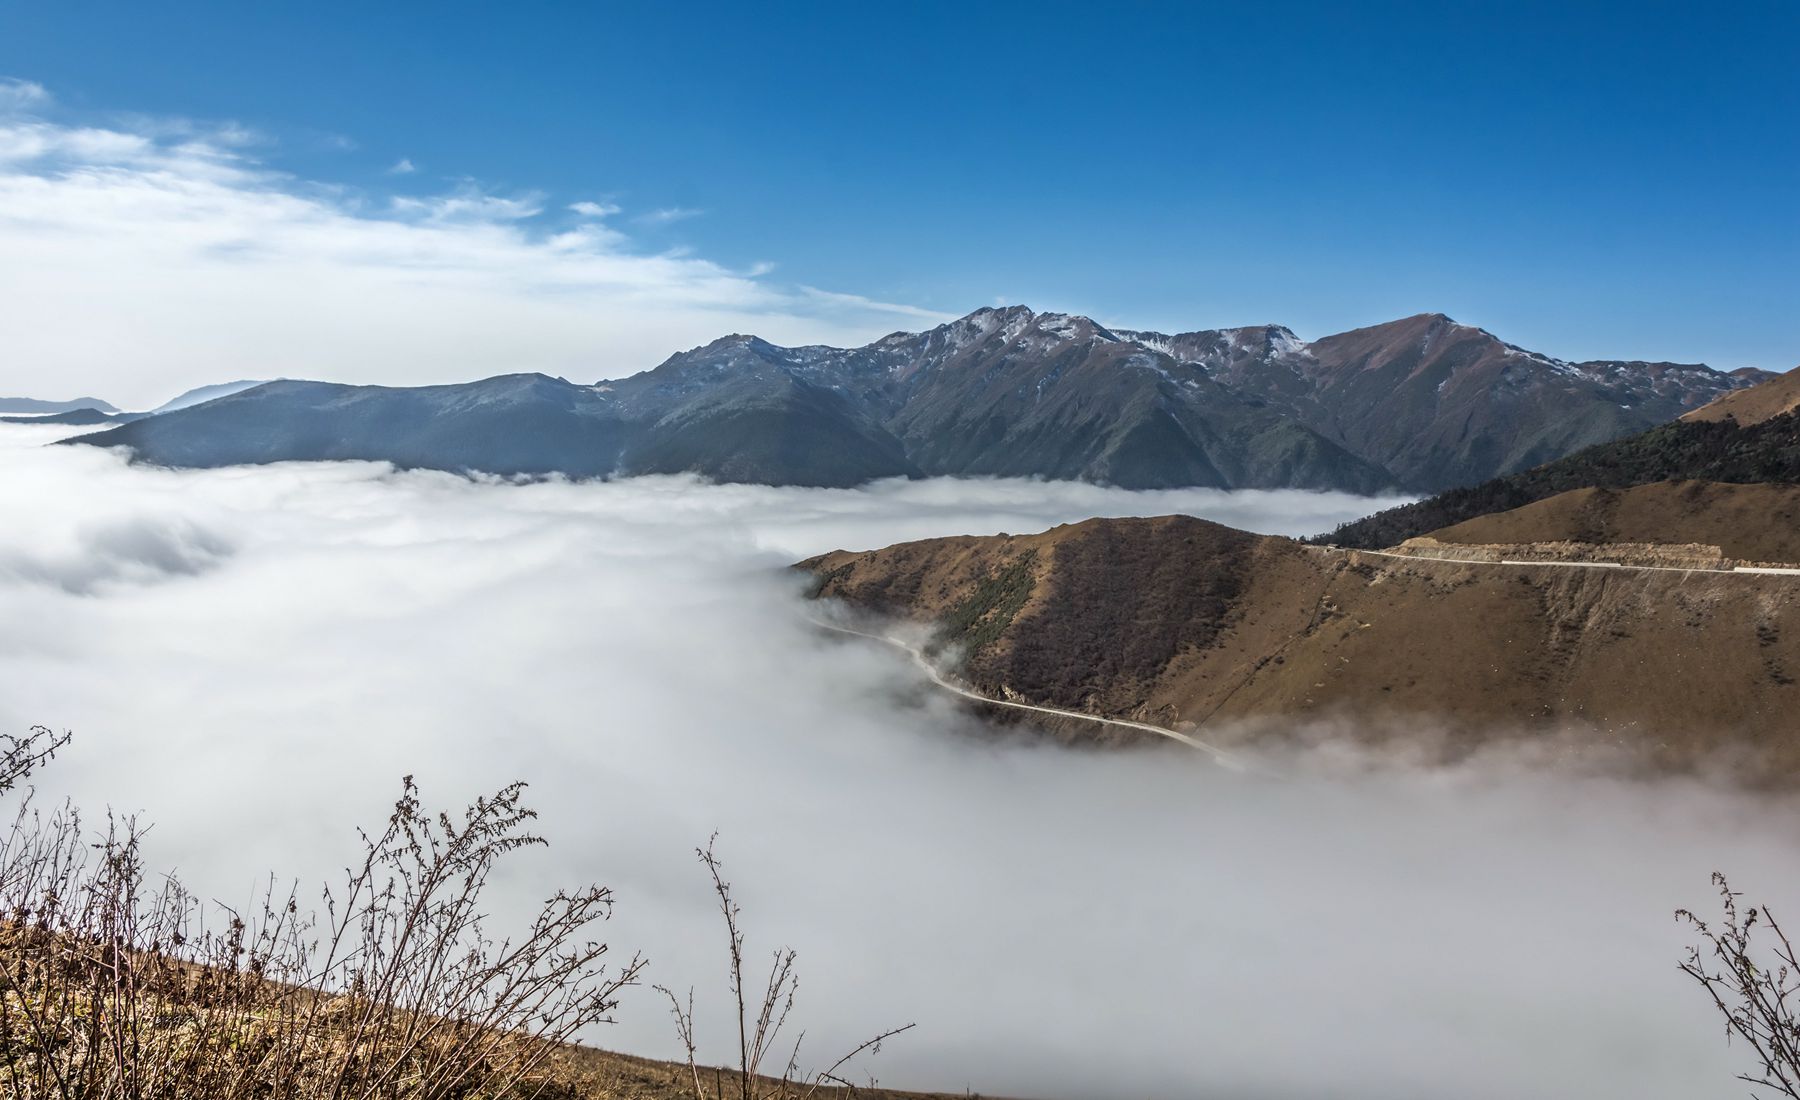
(1423, 402)
(1072, 326)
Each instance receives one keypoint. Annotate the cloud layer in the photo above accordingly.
(147, 256)
(253, 656)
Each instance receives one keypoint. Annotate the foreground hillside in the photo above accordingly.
(1194, 626)
(586, 1073)
(1420, 403)
(121, 982)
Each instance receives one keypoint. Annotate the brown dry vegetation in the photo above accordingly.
(1754, 405)
(117, 984)
(1187, 624)
(588, 1074)
(1752, 523)
(121, 983)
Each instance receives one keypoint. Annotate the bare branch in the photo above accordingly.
(774, 1004)
(1752, 985)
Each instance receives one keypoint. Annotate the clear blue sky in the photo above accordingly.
(1584, 179)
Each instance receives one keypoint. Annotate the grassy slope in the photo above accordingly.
(568, 1072)
(1773, 398)
(1747, 522)
(591, 1074)
(1147, 590)
(1185, 623)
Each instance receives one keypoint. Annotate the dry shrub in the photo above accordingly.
(1747, 965)
(760, 1020)
(113, 985)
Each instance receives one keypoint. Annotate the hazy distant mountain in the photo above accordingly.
(83, 415)
(201, 394)
(754, 431)
(1418, 403)
(34, 406)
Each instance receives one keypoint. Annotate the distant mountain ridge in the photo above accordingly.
(202, 394)
(84, 416)
(1420, 403)
(34, 406)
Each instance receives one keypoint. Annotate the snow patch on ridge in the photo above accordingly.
(1284, 342)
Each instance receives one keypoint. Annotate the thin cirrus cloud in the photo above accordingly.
(667, 215)
(469, 203)
(153, 254)
(16, 93)
(589, 209)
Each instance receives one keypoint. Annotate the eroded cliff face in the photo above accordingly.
(1195, 626)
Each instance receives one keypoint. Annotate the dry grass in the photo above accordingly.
(1776, 397)
(603, 1075)
(1244, 639)
(1748, 523)
(118, 985)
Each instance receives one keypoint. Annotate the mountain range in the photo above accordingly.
(92, 410)
(1637, 599)
(1421, 403)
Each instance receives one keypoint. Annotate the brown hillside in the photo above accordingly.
(1770, 399)
(584, 1073)
(1187, 624)
(1758, 523)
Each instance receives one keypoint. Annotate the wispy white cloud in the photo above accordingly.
(594, 209)
(839, 300)
(667, 215)
(149, 255)
(403, 167)
(16, 94)
(469, 203)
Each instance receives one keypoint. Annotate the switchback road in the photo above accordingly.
(1219, 755)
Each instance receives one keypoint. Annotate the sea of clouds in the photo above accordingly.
(251, 658)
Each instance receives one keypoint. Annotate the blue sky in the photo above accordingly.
(1587, 180)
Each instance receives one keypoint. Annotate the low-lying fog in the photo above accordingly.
(253, 657)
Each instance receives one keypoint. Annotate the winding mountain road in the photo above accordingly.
(1742, 570)
(1219, 755)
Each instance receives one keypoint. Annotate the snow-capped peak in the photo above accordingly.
(1069, 326)
(1282, 341)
